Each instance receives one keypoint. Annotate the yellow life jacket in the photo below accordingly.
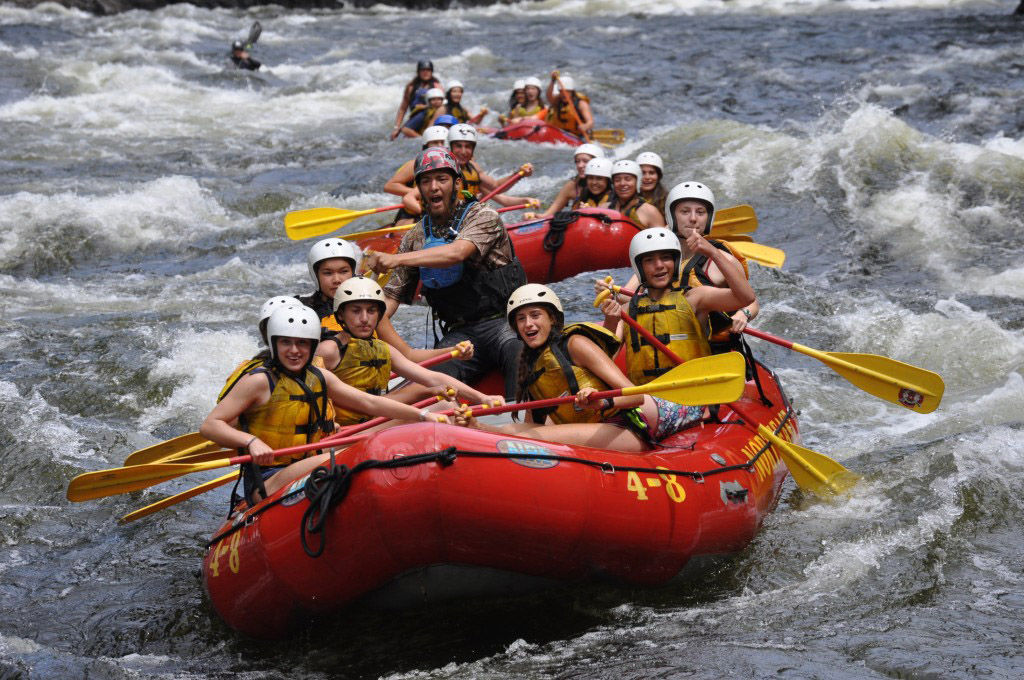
(671, 320)
(523, 112)
(560, 116)
(296, 413)
(695, 274)
(632, 210)
(471, 179)
(411, 183)
(554, 375)
(330, 323)
(594, 202)
(248, 366)
(366, 366)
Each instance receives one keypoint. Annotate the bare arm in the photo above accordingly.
(406, 98)
(350, 398)
(565, 194)
(706, 299)
(586, 354)
(424, 376)
(441, 256)
(399, 182)
(650, 216)
(586, 116)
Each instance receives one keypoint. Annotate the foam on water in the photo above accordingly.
(28, 417)
(706, 7)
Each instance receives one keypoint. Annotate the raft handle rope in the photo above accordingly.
(326, 487)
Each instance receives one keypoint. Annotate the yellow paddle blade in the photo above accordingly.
(909, 386)
(360, 235)
(765, 256)
(179, 497)
(303, 224)
(185, 445)
(609, 137)
(736, 220)
(717, 379)
(103, 483)
(811, 470)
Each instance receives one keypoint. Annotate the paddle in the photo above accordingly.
(894, 381)
(914, 388)
(572, 109)
(739, 219)
(254, 35)
(103, 483)
(609, 136)
(708, 380)
(179, 497)
(766, 256)
(194, 443)
(303, 224)
(810, 470)
(360, 235)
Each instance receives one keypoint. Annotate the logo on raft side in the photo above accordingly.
(520, 447)
(910, 398)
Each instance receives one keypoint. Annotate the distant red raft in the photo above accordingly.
(537, 131)
(476, 513)
(553, 249)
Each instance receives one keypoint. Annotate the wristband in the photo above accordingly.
(423, 414)
(250, 443)
(608, 403)
(747, 312)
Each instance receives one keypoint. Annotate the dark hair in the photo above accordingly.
(451, 107)
(587, 194)
(528, 356)
(416, 81)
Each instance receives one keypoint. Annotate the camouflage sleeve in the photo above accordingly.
(402, 284)
(485, 230)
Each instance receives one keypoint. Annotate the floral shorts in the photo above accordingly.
(674, 417)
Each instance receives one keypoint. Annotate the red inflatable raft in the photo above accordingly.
(537, 131)
(552, 249)
(470, 513)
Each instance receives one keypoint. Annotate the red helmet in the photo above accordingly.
(436, 158)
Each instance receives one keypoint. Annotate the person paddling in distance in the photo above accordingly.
(570, 192)
(404, 180)
(652, 170)
(287, 403)
(516, 99)
(462, 143)
(415, 94)
(453, 106)
(560, 112)
(241, 59)
(418, 122)
(626, 198)
(598, 190)
(329, 261)
(559, 360)
(676, 314)
(365, 362)
(463, 256)
(532, 108)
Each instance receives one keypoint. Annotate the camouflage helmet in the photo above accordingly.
(436, 158)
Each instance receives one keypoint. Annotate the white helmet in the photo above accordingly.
(533, 294)
(463, 132)
(455, 83)
(568, 82)
(589, 149)
(359, 288)
(328, 249)
(651, 158)
(532, 81)
(653, 240)
(518, 85)
(694, 191)
(598, 167)
(293, 321)
(269, 307)
(435, 133)
(434, 93)
(631, 167)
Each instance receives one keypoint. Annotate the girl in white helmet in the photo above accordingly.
(404, 179)
(414, 94)
(420, 121)
(330, 262)
(289, 402)
(532, 108)
(517, 98)
(626, 178)
(652, 170)
(578, 359)
(360, 359)
(453, 106)
(676, 312)
(598, 189)
(570, 192)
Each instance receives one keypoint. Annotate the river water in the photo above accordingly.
(142, 191)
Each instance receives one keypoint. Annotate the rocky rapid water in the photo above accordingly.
(142, 191)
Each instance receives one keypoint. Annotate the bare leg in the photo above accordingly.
(596, 435)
